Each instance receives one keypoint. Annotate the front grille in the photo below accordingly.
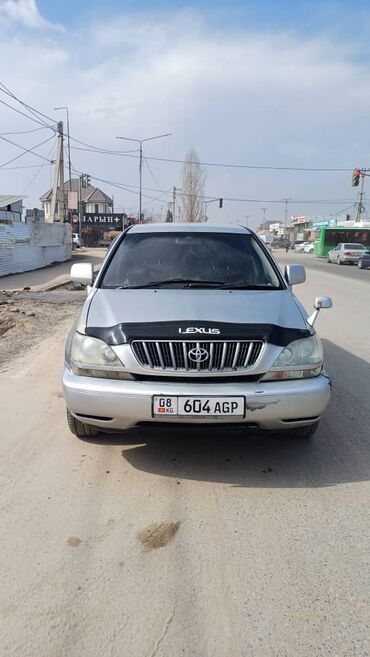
(189, 356)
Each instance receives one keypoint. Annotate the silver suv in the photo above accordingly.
(193, 323)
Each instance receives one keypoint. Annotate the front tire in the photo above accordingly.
(80, 429)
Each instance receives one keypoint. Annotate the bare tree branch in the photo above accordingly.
(193, 182)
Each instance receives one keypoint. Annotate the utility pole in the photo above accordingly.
(361, 196)
(286, 201)
(58, 178)
(68, 145)
(247, 219)
(174, 204)
(140, 142)
(79, 205)
(264, 210)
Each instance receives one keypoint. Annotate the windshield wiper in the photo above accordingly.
(245, 286)
(188, 282)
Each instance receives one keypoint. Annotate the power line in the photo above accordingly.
(27, 166)
(31, 109)
(244, 166)
(125, 188)
(24, 114)
(41, 166)
(151, 172)
(102, 151)
(26, 150)
(22, 132)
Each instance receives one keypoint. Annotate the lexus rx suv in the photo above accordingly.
(193, 323)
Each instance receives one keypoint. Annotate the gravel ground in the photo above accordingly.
(29, 317)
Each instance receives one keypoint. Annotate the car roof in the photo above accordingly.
(188, 227)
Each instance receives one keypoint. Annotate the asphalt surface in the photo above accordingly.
(321, 265)
(216, 544)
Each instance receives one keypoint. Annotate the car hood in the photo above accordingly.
(252, 307)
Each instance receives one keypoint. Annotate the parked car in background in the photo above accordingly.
(297, 243)
(364, 260)
(76, 241)
(280, 243)
(299, 248)
(308, 247)
(346, 253)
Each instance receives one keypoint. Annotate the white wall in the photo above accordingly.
(24, 247)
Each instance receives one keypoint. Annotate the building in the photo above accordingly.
(34, 215)
(94, 200)
(11, 208)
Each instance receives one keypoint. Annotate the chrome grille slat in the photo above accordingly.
(247, 358)
(173, 355)
(235, 359)
(211, 350)
(146, 350)
(223, 357)
(160, 357)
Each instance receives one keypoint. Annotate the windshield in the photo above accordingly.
(190, 259)
(354, 247)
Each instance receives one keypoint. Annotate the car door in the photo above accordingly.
(337, 252)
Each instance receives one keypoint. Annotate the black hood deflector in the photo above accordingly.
(126, 332)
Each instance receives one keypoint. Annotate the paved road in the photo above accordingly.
(48, 274)
(265, 542)
(321, 265)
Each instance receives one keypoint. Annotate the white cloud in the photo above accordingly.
(236, 96)
(24, 12)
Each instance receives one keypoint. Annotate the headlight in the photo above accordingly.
(88, 356)
(301, 359)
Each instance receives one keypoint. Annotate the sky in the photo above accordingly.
(266, 84)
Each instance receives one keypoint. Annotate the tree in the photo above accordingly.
(193, 182)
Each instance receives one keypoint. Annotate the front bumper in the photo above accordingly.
(273, 405)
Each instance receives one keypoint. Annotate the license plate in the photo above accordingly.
(199, 406)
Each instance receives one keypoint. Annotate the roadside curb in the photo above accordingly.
(59, 281)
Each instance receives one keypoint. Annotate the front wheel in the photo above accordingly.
(80, 429)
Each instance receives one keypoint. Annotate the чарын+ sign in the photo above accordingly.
(101, 218)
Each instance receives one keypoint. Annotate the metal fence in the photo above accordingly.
(24, 247)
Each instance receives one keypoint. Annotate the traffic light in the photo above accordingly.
(356, 177)
(220, 202)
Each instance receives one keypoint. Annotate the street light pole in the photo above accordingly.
(286, 201)
(247, 219)
(140, 142)
(68, 145)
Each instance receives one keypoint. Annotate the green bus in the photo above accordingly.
(330, 237)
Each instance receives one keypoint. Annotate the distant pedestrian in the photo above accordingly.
(287, 247)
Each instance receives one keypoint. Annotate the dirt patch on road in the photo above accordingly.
(26, 318)
(158, 535)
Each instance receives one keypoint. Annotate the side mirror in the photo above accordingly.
(320, 302)
(82, 272)
(295, 274)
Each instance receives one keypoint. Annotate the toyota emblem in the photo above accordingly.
(198, 354)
